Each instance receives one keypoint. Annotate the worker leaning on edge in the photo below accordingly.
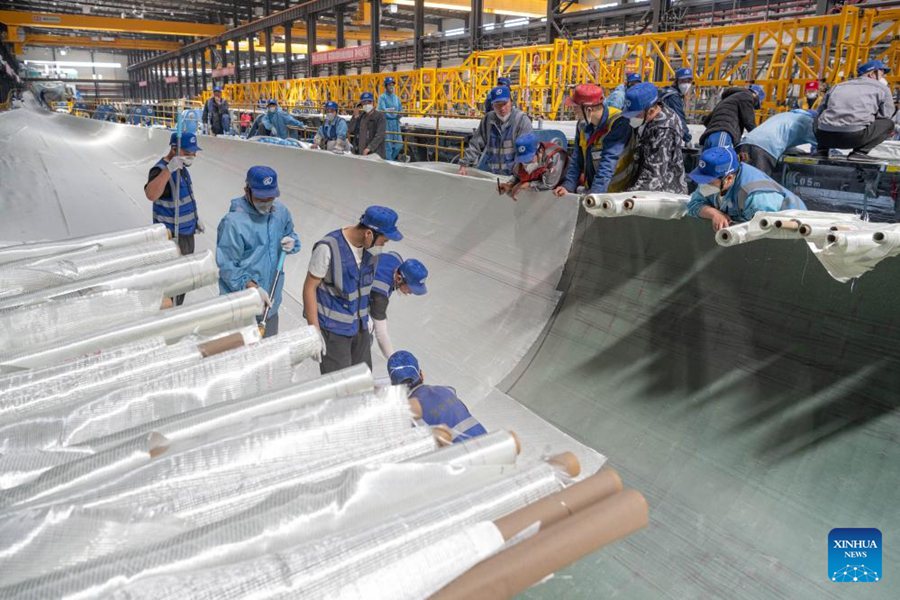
(734, 114)
(540, 166)
(332, 134)
(274, 122)
(764, 146)
(603, 159)
(393, 274)
(494, 142)
(337, 286)
(160, 183)
(434, 404)
(251, 237)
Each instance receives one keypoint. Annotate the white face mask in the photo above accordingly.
(368, 107)
(264, 206)
(884, 81)
(329, 117)
(684, 88)
(636, 122)
(272, 109)
(811, 97)
(707, 189)
(187, 160)
(530, 167)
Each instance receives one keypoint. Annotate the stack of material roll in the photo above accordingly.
(172, 453)
(655, 205)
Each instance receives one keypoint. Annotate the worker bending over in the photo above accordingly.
(274, 122)
(337, 286)
(730, 192)
(603, 159)
(251, 237)
(616, 97)
(660, 135)
(764, 146)
(539, 166)
(393, 274)
(332, 134)
(494, 142)
(731, 116)
(434, 404)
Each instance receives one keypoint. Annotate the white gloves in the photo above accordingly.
(322, 346)
(201, 228)
(176, 163)
(288, 243)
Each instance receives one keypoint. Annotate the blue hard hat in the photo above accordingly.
(504, 81)
(639, 98)
(366, 97)
(684, 73)
(272, 102)
(383, 220)
(872, 65)
(217, 88)
(188, 141)
(499, 94)
(715, 163)
(526, 147)
(403, 367)
(632, 78)
(759, 91)
(414, 274)
(331, 105)
(388, 80)
(263, 182)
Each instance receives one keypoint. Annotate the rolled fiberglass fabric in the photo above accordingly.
(171, 278)
(739, 234)
(128, 237)
(605, 205)
(50, 273)
(887, 235)
(217, 314)
(44, 323)
(20, 468)
(656, 205)
(855, 242)
(494, 448)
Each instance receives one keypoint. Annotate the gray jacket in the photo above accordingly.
(853, 105)
(495, 140)
(371, 133)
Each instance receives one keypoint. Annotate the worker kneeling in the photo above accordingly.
(434, 404)
(730, 192)
(251, 238)
(539, 166)
(393, 274)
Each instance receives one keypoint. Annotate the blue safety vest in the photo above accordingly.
(384, 273)
(500, 154)
(329, 130)
(164, 207)
(343, 294)
(441, 406)
(750, 179)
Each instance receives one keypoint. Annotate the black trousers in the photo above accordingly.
(757, 157)
(342, 351)
(186, 245)
(858, 141)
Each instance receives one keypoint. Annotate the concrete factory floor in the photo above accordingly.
(749, 396)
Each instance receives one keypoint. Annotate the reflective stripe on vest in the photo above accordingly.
(463, 426)
(625, 166)
(501, 148)
(755, 183)
(343, 294)
(164, 206)
(384, 272)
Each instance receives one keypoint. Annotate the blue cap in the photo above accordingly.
(759, 91)
(872, 65)
(504, 81)
(684, 73)
(632, 78)
(388, 80)
(188, 141)
(526, 147)
(366, 97)
(499, 94)
(382, 220)
(414, 274)
(639, 98)
(272, 102)
(263, 182)
(217, 88)
(331, 105)
(715, 163)
(403, 367)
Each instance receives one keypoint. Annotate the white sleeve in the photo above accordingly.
(320, 261)
(382, 337)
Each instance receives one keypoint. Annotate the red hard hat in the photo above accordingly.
(585, 94)
(811, 86)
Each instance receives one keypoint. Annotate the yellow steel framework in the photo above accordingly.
(779, 55)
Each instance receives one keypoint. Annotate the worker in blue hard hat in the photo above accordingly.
(493, 146)
(336, 291)
(501, 82)
(389, 104)
(733, 115)
(332, 134)
(372, 127)
(764, 146)
(393, 274)
(856, 114)
(179, 216)
(660, 140)
(434, 404)
(616, 98)
(274, 122)
(251, 237)
(676, 95)
(729, 192)
(216, 117)
(539, 166)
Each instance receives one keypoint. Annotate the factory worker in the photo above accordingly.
(494, 142)
(660, 135)
(372, 126)
(274, 122)
(393, 274)
(856, 114)
(674, 96)
(215, 113)
(434, 404)
(251, 237)
(730, 192)
(616, 97)
(168, 170)
(731, 116)
(764, 146)
(539, 166)
(603, 159)
(337, 286)
(501, 82)
(389, 104)
(812, 97)
(332, 134)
